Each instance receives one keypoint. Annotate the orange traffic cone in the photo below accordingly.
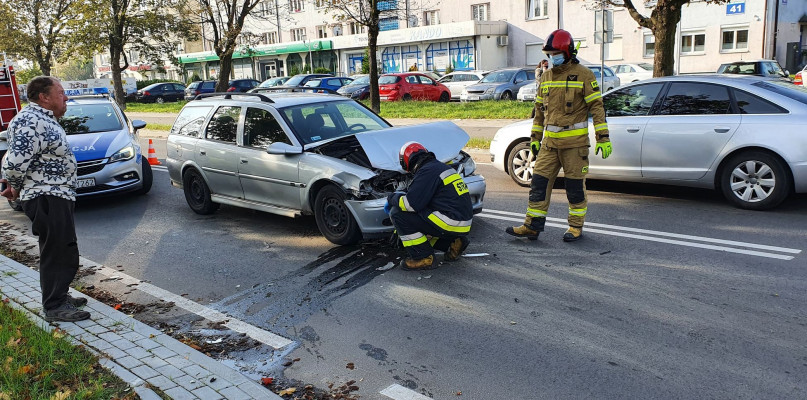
(152, 154)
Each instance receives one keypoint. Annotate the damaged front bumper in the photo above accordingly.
(374, 222)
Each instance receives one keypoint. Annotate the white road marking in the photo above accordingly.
(263, 336)
(159, 167)
(398, 392)
(667, 234)
(647, 238)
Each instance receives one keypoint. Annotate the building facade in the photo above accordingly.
(432, 35)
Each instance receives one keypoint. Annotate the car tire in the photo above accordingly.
(740, 177)
(197, 193)
(334, 219)
(159, 100)
(148, 177)
(407, 97)
(520, 163)
(15, 205)
(444, 97)
(507, 95)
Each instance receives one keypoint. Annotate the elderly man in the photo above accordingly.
(40, 170)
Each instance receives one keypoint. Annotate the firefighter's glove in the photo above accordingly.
(387, 207)
(535, 146)
(605, 147)
(392, 199)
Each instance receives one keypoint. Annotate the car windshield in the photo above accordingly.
(323, 121)
(313, 83)
(738, 68)
(364, 80)
(498, 77)
(271, 82)
(89, 118)
(787, 89)
(646, 66)
(389, 79)
(295, 80)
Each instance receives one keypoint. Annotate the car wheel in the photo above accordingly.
(444, 97)
(197, 193)
(148, 177)
(407, 97)
(159, 100)
(334, 219)
(520, 162)
(15, 205)
(507, 95)
(755, 180)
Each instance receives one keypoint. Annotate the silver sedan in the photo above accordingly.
(743, 136)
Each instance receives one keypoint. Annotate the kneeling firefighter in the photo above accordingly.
(568, 93)
(437, 204)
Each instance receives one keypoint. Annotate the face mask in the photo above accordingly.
(556, 60)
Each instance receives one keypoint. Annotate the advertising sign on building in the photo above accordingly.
(441, 59)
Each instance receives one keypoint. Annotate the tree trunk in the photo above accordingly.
(372, 42)
(44, 66)
(117, 82)
(225, 68)
(665, 20)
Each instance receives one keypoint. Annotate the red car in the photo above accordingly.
(411, 86)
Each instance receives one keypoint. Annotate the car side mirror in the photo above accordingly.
(283, 148)
(138, 124)
(4, 136)
(787, 74)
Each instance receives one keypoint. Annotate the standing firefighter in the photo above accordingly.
(437, 204)
(568, 92)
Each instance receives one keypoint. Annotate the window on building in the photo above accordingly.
(693, 43)
(387, 5)
(535, 53)
(297, 34)
(649, 45)
(322, 3)
(270, 37)
(267, 8)
(537, 9)
(431, 17)
(356, 28)
(388, 24)
(322, 31)
(296, 5)
(337, 30)
(734, 39)
(480, 12)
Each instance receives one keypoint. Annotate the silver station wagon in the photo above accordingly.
(299, 154)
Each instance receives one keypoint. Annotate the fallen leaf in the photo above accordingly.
(4, 396)
(59, 362)
(266, 381)
(118, 306)
(195, 346)
(151, 336)
(25, 369)
(13, 342)
(286, 392)
(60, 395)
(58, 333)
(350, 366)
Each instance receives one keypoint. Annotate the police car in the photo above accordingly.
(106, 147)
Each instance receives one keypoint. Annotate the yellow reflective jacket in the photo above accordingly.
(565, 97)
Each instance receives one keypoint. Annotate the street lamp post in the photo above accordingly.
(310, 59)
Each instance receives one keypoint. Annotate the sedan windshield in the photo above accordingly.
(323, 121)
(646, 66)
(89, 118)
(295, 80)
(498, 77)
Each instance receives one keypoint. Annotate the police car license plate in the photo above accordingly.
(84, 183)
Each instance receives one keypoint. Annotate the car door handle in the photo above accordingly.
(244, 160)
(202, 152)
(721, 130)
(632, 129)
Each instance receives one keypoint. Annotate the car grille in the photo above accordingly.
(476, 91)
(98, 188)
(90, 167)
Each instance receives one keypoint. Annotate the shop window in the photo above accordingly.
(391, 59)
(462, 55)
(437, 56)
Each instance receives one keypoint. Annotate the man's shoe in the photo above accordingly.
(522, 231)
(411, 264)
(572, 234)
(456, 248)
(77, 301)
(67, 313)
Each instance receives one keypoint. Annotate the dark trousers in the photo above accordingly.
(52, 221)
(410, 224)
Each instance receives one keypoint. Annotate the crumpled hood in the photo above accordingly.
(445, 139)
(92, 146)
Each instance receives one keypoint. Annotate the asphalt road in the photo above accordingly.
(711, 306)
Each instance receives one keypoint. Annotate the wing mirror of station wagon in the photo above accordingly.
(283, 148)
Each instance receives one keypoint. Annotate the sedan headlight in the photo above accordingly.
(126, 153)
(490, 90)
(465, 91)
(469, 166)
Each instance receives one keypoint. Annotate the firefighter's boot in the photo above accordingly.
(523, 231)
(411, 264)
(573, 234)
(456, 248)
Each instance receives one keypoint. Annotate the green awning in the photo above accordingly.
(261, 51)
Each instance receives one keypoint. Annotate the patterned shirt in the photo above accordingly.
(39, 160)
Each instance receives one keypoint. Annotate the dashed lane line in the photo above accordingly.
(398, 392)
(658, 236)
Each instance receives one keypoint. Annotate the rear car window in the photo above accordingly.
(751, 104)
(789, 90)
(386, 80)
(695, 98)
(189, 120)
(90, 118)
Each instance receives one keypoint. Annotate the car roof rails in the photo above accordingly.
(295, 89)
(229, 96)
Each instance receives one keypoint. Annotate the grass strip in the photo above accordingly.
(36, 364)
(172, 108)
(158, 127)
(478, 143)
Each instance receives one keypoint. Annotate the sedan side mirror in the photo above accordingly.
(4, 136)
(283, 148)
(138, 124)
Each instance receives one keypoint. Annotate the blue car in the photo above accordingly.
(330, 83)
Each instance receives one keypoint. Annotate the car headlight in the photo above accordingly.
(465, 91)
(469, 166)
(490, 90)
(126, 153)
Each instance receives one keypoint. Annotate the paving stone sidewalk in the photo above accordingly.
(134, 351)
